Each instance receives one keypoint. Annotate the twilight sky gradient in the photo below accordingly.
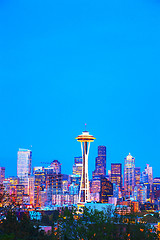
(67, 63)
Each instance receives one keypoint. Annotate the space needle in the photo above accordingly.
(85, 139)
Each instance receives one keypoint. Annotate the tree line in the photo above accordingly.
(68, 225)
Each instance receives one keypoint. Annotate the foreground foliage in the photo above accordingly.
(92, 225)
(13, 229)
(100, 226)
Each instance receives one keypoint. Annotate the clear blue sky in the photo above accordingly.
(67, 63)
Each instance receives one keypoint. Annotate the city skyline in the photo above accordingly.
(48, 186)
(64, 64)
(25, 166)
(90, 171)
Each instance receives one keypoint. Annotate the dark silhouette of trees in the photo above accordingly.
(104, 225)
(91, 225)
(24, 229)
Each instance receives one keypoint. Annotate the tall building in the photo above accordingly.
(129, 166)
(149, 172)
(156, 188)
(85, 139)
(65, 183)
(77, 166)
(39, 185)
(106, 190)
(144, 177)
(116, 174)
(24, 160)
(2, 174)
(54, 186)
(147, 179)
(78, 160)
(20, 193)
(100, 166)
(101, 161)
(56, 165)
(137, 175)
(96, 184)
(31, 189)
(140, 193)
(54, 183)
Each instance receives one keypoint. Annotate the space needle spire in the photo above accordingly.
(85, 139)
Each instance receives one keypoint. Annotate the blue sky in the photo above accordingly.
(67, 63)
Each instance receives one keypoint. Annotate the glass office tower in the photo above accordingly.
(100, 167)
(2, 174)
(137, 175)
(24, 159)
(116, 174)
(129, 166)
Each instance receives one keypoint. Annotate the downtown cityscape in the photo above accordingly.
(41, 187)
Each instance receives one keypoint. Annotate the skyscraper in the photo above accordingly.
(101, 160)
(78, 160)
(39, 185)
(129, 175)
(24, 159)
(100, 166)
(137, 175)
(2, 174)
(100, 170)
(140, 193)
(77, 167)
(149, 172)
(106, 189)
(54, 187)
(116, 174)
(56, 165)
(156, 189)
(53, 181)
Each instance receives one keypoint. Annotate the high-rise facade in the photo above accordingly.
(2, 174)
(100, 170)
(101, 161)
(144, 177)
(77, 166)
(31, 189)
(140, 193)
(96, 184)
(137, 175)
(100, 164)
(156, 189)
(56, 165)
(149, 172)
(106, 190)
(20, 192)
(54, 187)
(147, 179)
(39, 185)
(129, 165)
(116, 174)
(78, 160)
(24, 160)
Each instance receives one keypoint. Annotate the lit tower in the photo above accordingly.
(84, 195)
(129, 166)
